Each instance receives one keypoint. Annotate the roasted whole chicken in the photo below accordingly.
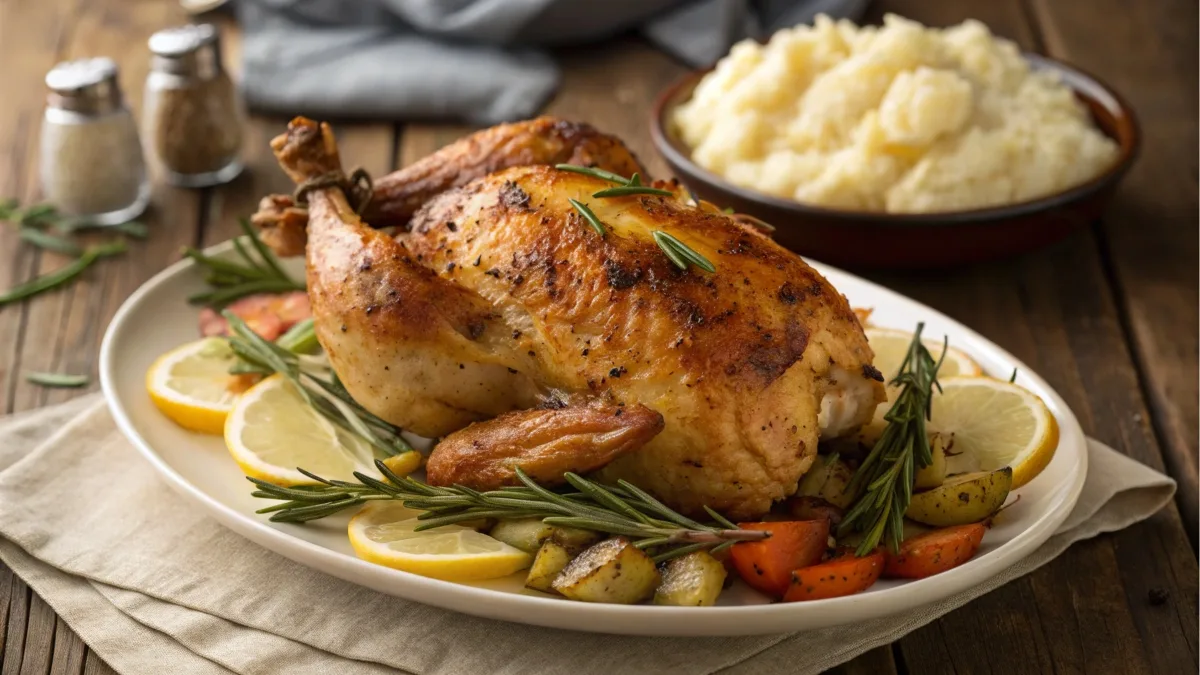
(501, 321)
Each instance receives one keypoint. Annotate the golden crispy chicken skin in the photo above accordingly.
(398, 195)
(545, 442)
(501, 291)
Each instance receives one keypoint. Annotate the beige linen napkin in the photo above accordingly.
(153, 586)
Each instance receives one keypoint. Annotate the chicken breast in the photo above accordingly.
(501, 292)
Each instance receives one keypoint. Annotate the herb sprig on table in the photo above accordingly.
(622, 509)
(42, 226)
(883, 483)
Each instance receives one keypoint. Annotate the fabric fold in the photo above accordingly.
(137, 572)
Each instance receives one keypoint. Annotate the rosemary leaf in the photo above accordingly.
(680, 253)
(588, 216)
(60, 276)
(133, 228)
(594, 173)
(57, 380)
(627, 190)
(49, 242)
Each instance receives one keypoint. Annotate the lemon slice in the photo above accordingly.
(995, 424)
(891, 346)
(383, 533)
(192, 385)
(272, 430)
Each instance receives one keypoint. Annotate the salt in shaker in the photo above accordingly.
(193, 119)
(91, 159)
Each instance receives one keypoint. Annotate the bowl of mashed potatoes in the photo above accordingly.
(898, 145)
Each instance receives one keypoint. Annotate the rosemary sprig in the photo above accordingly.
(62, 275)
(883, 483)
(680, 253)
(325, 395)
(57, 380)
(231, 280)
(589, 216)
(622, 509)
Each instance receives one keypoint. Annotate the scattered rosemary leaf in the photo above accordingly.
(49, 242)
(588, 216)
(133, 228)
(680, 253)
(594, 173)
(38, 215)
(60, 276)
(627, 190)
(57, 380)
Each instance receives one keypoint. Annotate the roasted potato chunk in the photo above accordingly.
(550, 560)
(613, 571)
(961, 499)
(932, 476)
(528, 534)
(693, 580)
(828, 480)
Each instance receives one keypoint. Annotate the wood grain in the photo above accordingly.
(1150, 238)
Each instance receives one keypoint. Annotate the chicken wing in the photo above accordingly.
(501, 292)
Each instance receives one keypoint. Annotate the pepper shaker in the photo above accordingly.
(91, 158)
(193, 119)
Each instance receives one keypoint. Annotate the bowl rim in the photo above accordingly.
(674, 151)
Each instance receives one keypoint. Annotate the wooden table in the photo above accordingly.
(1108, 317)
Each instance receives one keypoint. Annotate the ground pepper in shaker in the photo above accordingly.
(193, 119)
(91, 159)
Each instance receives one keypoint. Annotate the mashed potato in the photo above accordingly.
(901, 118)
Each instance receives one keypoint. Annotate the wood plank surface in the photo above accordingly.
(1150, 236)
(1108, 317)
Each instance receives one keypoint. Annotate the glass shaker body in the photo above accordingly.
(192, 117)
(91, 159)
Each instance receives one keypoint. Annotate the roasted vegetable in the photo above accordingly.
(814, 508)
(767, 565)
(935, 474)
(693, 580)
(934, 552)
(613, 571)
(963, 498)
(528, 534)
(828, 479)
(550, 560)
(842, 575)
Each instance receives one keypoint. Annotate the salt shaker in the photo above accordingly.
(91, 158)
(193, 119)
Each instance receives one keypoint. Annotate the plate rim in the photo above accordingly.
(642, 620)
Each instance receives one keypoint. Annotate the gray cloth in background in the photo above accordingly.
(478, 61)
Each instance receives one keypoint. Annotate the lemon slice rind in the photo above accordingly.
(383, 533)
(995, 424)
(190, 385)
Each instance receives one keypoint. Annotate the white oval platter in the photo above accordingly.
(157, 318)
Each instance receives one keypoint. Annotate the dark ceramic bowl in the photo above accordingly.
(861, 239)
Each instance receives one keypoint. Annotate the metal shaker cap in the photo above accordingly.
(187, 50)
(87, 86)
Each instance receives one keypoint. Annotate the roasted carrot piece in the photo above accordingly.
(843, 575)
(934, 552)
(767, 565)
